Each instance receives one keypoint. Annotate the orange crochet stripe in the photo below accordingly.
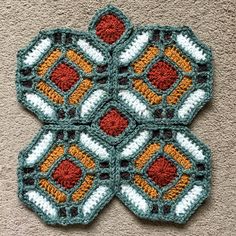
(143, 184)
(82, 156)
(143, 88)
(171, 150)
(54, 155)
(175, 55)
(79, 61)
(48, 62)
(83, 189)
(178, 188)
(50, 92)
(140, 64)
(53, 191)
(183, 86)
(146, 155)
(80, 91)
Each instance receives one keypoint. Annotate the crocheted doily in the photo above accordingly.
(114, 101)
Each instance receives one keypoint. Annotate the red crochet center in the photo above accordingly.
(67, 174)
(110, 28)
(113, 122)
(64, 77)
(162, 75)
(162, 171)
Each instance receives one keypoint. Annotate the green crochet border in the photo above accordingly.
(111, 54)
(113, 75)
(206, 182)
(115, 180)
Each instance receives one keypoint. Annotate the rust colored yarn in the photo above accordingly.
(115, 103)
(113, 123)
(162, 75)
(110, 28)
(64, 76)
(67, 174)
(162, 171)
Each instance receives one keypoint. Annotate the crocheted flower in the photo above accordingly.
(114, 101)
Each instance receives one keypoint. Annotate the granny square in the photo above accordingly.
(115, 102)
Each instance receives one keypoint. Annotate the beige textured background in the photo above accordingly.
(212, 21)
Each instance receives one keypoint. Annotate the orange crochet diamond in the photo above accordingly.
(162, 75)
(67, 174)
(64, 76)
(162, 171)
(110, 28)
(113, 123)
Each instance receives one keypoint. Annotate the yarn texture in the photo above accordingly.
(115, 103)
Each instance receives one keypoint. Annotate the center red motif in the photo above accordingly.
(67, 174)
(110, 28)
(64, 76)
(162, 171)
(113, 123)
(162, 75)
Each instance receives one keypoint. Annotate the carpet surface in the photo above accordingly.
(214, 24)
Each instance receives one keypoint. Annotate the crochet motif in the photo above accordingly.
(114, 102)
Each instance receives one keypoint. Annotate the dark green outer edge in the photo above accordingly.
(65, 126)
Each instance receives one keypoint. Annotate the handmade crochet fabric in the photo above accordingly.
(114, 102)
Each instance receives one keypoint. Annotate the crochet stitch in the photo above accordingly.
(114, 101)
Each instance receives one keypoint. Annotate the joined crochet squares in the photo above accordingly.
(114, 102)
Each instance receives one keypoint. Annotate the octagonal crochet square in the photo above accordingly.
(114, 102)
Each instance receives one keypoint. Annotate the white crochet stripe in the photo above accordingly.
(94, 146)
(191, 103)
(35, 53)
(134, 102)
(134, 48)
(90, 50)
(40, 201)
(91, 102)
(187, 44)
(134, 145)
(92, 202)
(39, 148)
(134, 198)
(189, 200)
(37, 102)
(190, 146)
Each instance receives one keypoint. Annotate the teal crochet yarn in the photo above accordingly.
(115, 102)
